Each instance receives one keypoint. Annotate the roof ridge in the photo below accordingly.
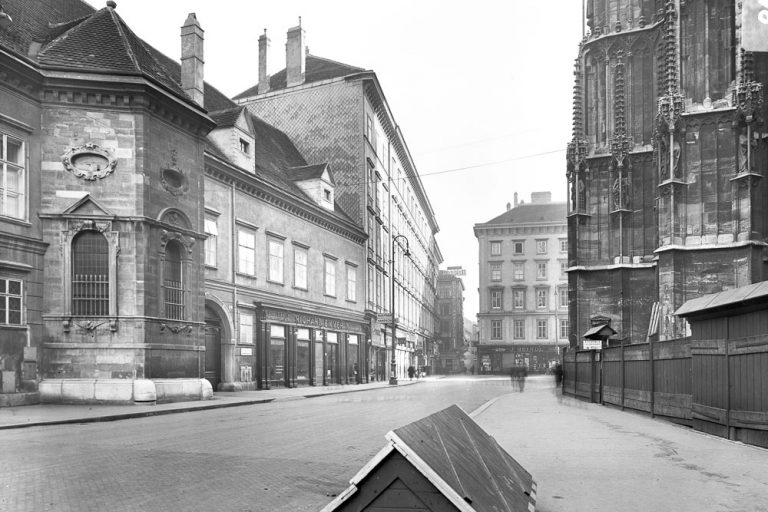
(335, 62)
(117, 20)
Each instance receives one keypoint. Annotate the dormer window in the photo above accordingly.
(244, 146)
(327, 194)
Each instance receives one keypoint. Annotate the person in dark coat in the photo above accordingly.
(411, 372)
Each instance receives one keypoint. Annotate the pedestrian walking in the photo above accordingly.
(411, 372)
(521, 375)
(514, 374)
(558, 371)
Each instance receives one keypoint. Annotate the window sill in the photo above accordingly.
(211, 267)
(243, 274)
(350, 301)
(328, 295)
(14, 327)
(302, 289)
(15, 220)
(279, 283)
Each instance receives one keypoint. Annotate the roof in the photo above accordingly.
(599, 332)
(226, 117)
(744, 295)
(317, 69)
(308, 172)
(460, 459)
(72, 35)
(531, 213)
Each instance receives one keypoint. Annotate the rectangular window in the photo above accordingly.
(13, 182)
(244, 146)
(541, 270)
(210, 243)
(541, 247)
(445, 309)
(518, 299)
(495, 329)
(564, 328)
(495, 271)
(519, 329)
(518, 270)
(495, 248)
(246, 252)
(245, 328)
(562, 298)
(351, 283)
(541, 329)
(497, 299)
(330, 277)
(10, 302)
(563, 245)
(518, 247)
(300, 268)
(541, 298)
(275, 261)
(563, 270)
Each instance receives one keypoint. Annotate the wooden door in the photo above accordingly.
(213, 353)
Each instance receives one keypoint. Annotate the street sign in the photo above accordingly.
(592, 344)
(385, 319)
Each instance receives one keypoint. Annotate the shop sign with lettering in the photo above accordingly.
(307, 320)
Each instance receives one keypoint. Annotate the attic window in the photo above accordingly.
(327, 193)
(244, 146)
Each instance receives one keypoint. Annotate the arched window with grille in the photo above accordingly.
(90, 274)
(173, 282)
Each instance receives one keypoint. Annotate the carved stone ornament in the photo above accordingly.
(166, 236)
(172, 178)
(83, 225)
(89, 162)
(176, 329)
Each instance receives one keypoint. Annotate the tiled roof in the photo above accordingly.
(317, 69)
(226, 117)
(39, 21)
(532, 213)
(307, 172)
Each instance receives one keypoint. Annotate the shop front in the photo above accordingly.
(500, 358)
(302, 349)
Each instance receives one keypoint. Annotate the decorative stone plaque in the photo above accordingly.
(90, 162)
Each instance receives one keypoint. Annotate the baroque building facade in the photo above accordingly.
(377, 183)
(158, 240)
(523, 317)
(665, 195)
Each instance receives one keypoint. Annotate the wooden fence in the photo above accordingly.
(716, 386)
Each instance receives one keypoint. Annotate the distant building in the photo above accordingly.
(450, 313)
(338, 114)
(523, 317)
(666, 198)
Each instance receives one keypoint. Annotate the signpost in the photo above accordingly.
(592, 344)
(385, 319)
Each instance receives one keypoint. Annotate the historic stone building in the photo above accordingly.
(156, 239)
(666, 199)
(523, 316)
(376, 183)
(450, 313)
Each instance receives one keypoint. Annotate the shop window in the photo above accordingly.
(10, 302)
(90, 274)
(13, 182)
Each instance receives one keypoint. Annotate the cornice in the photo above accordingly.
(260, 189)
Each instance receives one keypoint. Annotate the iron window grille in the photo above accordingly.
(173, 283)
(90, 275)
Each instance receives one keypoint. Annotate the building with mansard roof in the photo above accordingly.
(523, 314)
(377, 183)
(157, 240)
(666, 198)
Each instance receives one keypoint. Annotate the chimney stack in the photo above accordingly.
(295, 57)
(263, 51)
(192, 59)
(515, 199)
(509, 206)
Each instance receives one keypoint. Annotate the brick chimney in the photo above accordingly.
(515, 199)
(263, 51)
(192, 59)
(295, 57)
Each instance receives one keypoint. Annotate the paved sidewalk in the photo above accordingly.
(59, 414)
(592, 458)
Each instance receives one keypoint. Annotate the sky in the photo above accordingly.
(482, 90)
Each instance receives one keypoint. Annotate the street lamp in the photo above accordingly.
(393, 366)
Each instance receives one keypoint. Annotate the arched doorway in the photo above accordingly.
(213, 331)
